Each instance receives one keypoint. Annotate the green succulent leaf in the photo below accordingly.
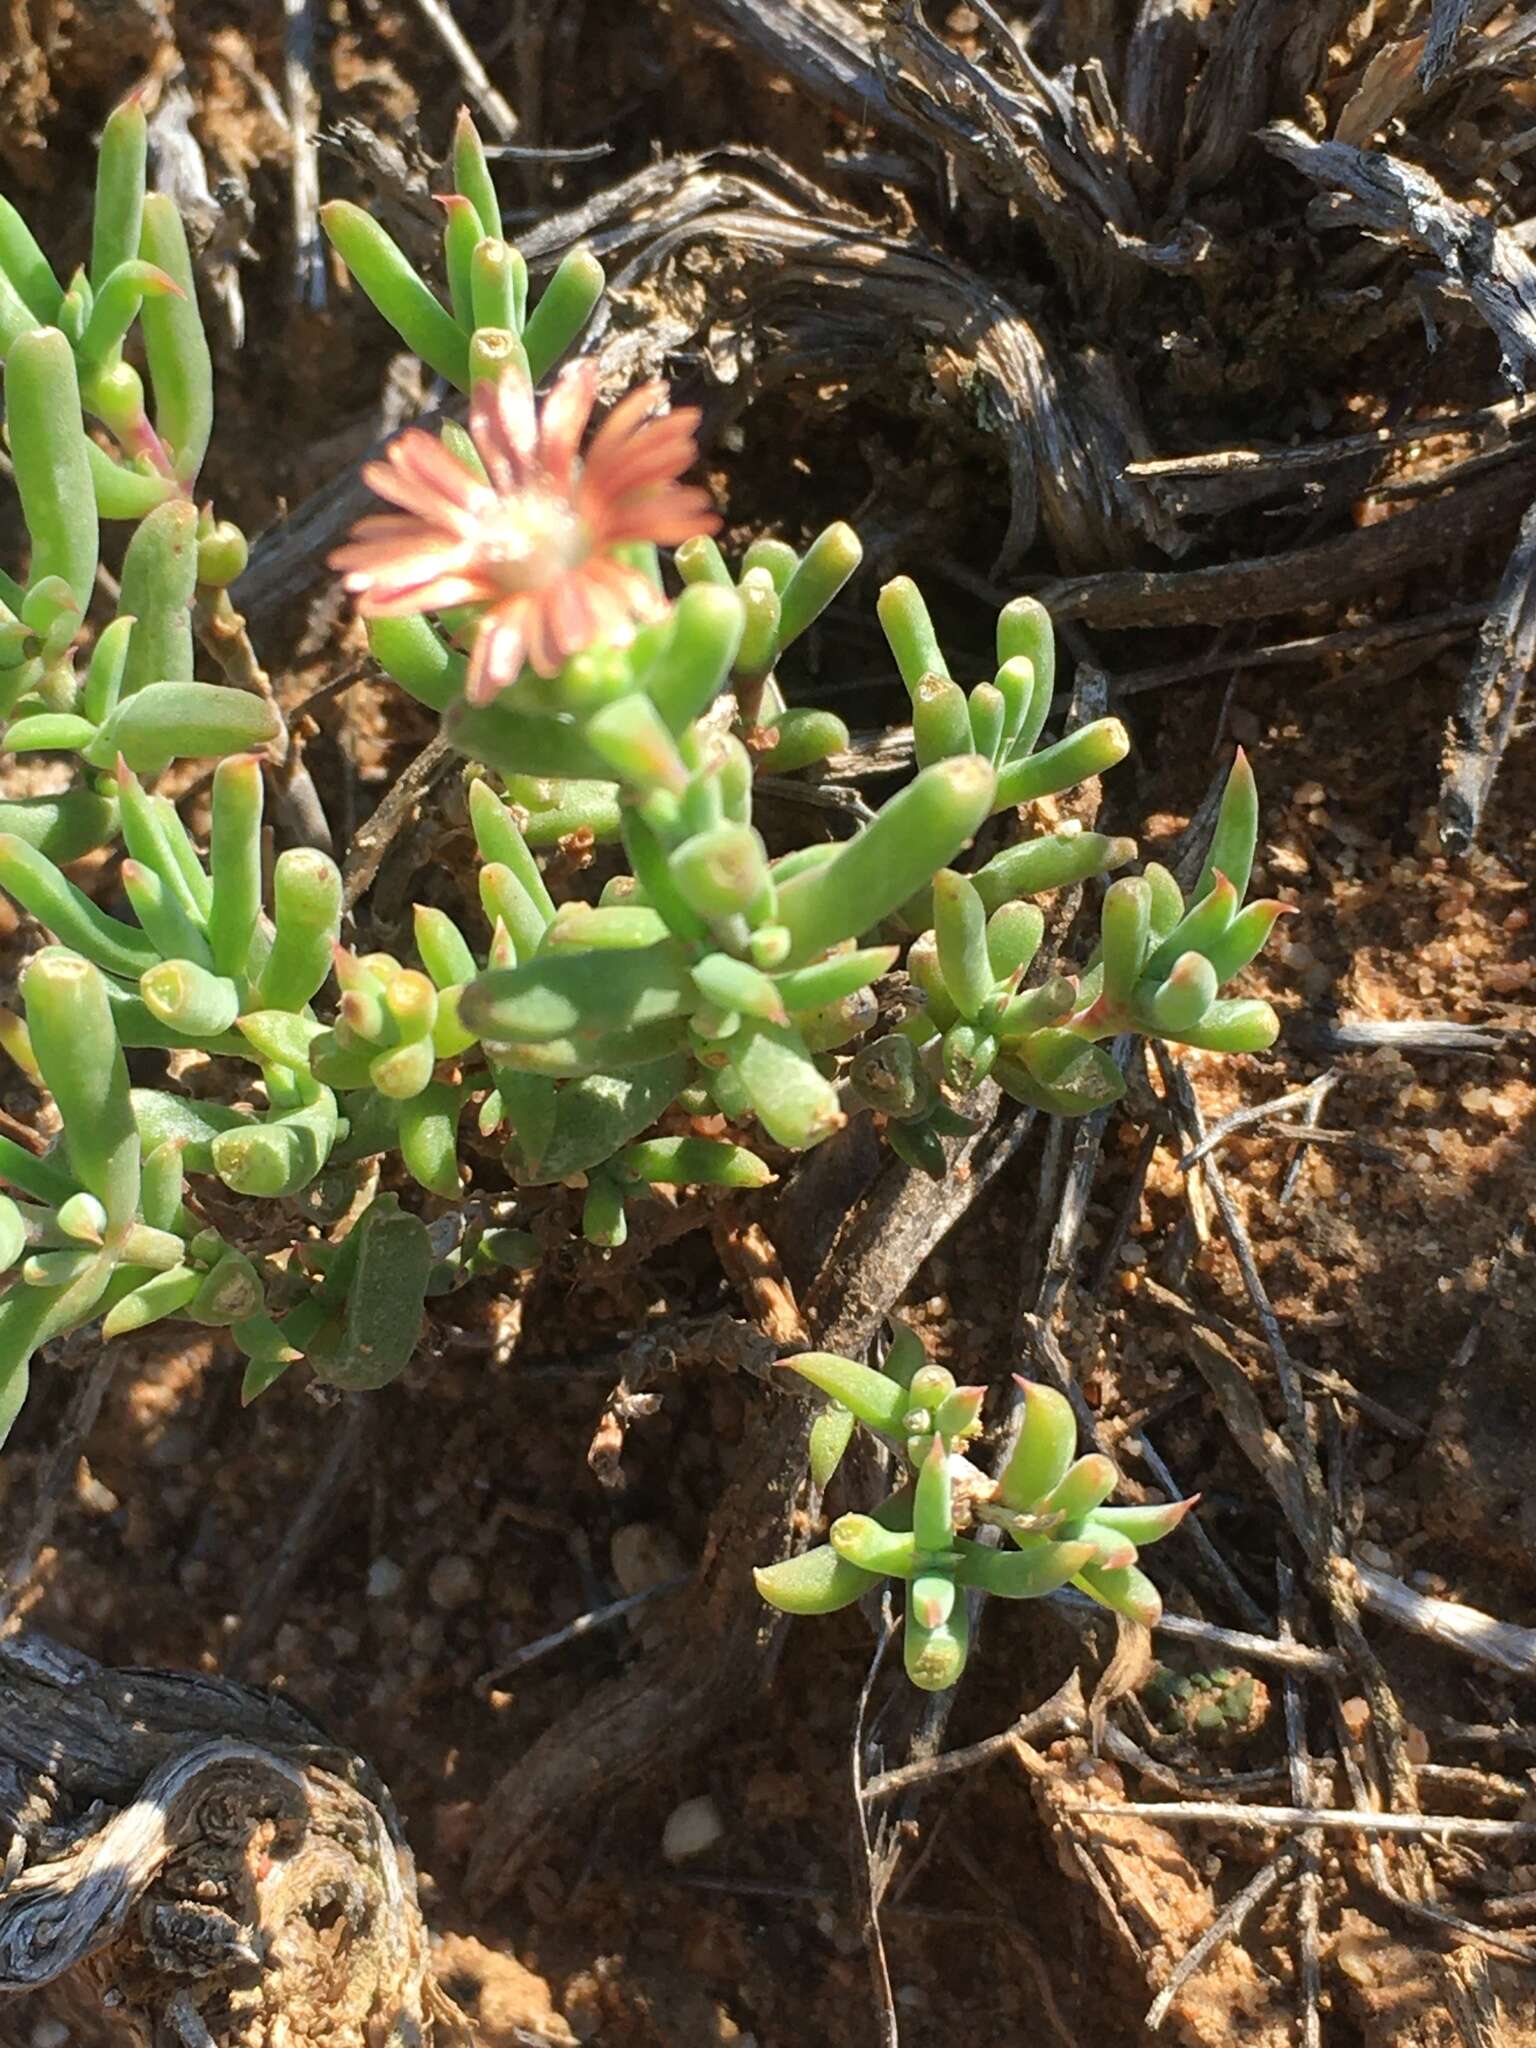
(816, 1582)
(878, 1401)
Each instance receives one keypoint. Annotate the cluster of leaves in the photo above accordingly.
(1047, 1504)
(135, 699)
(709, 979)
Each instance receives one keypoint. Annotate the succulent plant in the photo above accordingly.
(1047, 1505)
(1217, 1709)
(555, 597)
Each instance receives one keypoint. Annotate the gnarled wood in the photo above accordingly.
(188, 1859)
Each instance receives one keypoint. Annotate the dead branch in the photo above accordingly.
(182, 1842)
(1414, 1827)
(1035, 139)
(477, 85)
(1485, 712)
(1345, 565)
(823, 47)
(1478, 261)
(1466, 1630)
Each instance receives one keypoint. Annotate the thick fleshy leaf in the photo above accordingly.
(1089, 751)
(62, 827)
(1024, 630)
(1052, 862)
(1044, 1451)
(795, 1102)
(935, 1656)
(933, 1521)
(1232, 1027)
(1245, 938)
(1201, 927)
(802, 735)
(960, 933)
(1125, 930)
(595, 1117)
(1086, 1483)
(581, 996)
(1128, 1591)
(52, 471)
(890, 1553)
(1237, 831)
(816, 1582)
(280, 1154)
(695, 1162)
(387, 277)
(1143, 1525)
(913, 836)
(175, 346)
(941, 722)
(188, 998)
(1183, 999)
(816, 579)
(909, 631)
(831, 1434)
(385, 1301)
(77, 1051)
(1021, 1574)
(877, 1401)
(171, 721)
(1050, 1075)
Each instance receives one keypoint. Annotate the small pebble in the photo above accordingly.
(1356, 1716)
(92, 1495)
(691, 1829)
(385, 1578)
(453, 1584)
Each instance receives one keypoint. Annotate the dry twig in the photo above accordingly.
(1227, 1925)
(1413, 1827)
(1062, 1712)
(301, 104)
(438, 16)
(1484, 717)
(1467, 1630)
(576, 1631)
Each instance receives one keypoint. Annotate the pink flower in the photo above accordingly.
(535, 543)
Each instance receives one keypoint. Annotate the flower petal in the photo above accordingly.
(500, 647)
(503, 425)
(563, 421)
(380, 599)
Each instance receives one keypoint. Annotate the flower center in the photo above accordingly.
(529, 540)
